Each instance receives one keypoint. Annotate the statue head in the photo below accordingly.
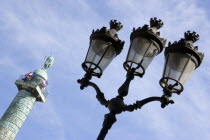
(49, 61)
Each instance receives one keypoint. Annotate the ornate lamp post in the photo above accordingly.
(181, 58)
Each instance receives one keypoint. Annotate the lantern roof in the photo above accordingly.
(150, 32)
(185, 45)
(110, 35)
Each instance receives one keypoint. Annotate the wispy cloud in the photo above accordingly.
(30, 30)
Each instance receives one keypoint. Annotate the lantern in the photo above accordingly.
(181, 59)
(104, 47)
(145, 45)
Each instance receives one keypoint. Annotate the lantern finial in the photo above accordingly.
(154, 22)
(115, 25)
(191, 36)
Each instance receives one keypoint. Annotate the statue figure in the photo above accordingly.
(49, 61)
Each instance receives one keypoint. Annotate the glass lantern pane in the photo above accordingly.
(142, 51)
(179, 67)
(100, 54)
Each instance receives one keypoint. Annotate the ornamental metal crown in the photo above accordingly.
(192, 36)
(115, 25)
(154, 22)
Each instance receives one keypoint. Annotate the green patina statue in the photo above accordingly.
(43, 72)
(49, 61)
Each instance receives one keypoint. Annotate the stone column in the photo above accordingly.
(30, 91)
(16, 114)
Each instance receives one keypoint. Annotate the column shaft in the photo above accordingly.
(16, 114)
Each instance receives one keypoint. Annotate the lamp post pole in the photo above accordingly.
(181, 58)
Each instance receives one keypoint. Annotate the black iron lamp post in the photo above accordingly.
(181, 58)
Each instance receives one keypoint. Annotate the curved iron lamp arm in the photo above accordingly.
(164, 100)
(99, 95)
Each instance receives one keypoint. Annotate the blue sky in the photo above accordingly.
(31, 30)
